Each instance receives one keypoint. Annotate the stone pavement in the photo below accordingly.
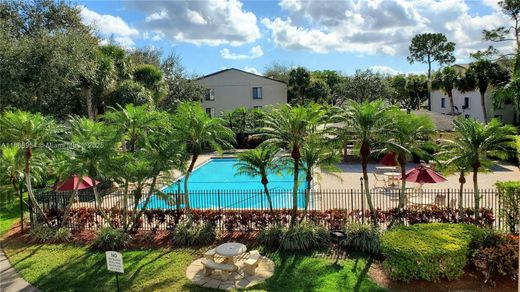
(237, 280)
(10, 280)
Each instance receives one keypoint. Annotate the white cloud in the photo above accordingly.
(378, 26)
(125, 42)
(157, 16)
(384, 70)
(254, 53)
(212, 22)
(251, 70)
(107, 24)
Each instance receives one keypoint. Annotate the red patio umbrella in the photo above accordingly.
(72, 182)
(390, 159)
(423, 175)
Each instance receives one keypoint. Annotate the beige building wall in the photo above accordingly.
(506, 113)
(233, 88)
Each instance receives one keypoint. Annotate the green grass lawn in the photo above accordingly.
(9, 213)
(71, 268)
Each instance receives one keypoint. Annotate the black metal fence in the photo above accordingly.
(250, 209)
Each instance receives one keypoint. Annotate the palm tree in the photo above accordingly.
(32, 132)
(95, 145)
(316, 153)
(12, 168)
(367, 123)
(454, 158)
(409, 136)
(480, 75)
(198, 132)
(299, 81)
(477, 142)
(133, 122)
(288, 127)
(259, 162)
(447, 79)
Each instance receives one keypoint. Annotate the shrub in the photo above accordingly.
(500, 259)
(41, 233)
(428, 251)
(362, 237)
(108, 238)
(509, 198)
(272, 236)
(62, 235)
(185, 234)
(303, 236)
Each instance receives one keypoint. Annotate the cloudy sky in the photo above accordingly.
(341, 35)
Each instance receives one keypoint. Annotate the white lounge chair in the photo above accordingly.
(252, 262)
(226, 269)
(378, 179)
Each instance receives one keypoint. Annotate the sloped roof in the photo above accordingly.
(442, 122)
(242, 71)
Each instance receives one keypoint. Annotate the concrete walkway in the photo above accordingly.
(10, 280)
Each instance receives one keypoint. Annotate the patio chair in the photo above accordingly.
(252, 262)
(378, 179)
(210, 266)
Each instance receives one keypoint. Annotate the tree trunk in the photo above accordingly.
(373, 214)
(402, 194)
(90, 106)
(307, 196)
(429, 83)
(476, 193)
(99, 204)
(462, 181)
(28, 183)
(268, 196)
(452, 107)
(186, 198)
(296, 157)
(125, 203)
(69, 204)
(136, 217)
(483, 103)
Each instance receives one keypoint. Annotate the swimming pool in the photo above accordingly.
(215, 185)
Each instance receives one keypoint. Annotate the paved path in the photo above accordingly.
(10, 280)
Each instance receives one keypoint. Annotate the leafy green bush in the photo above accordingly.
(429, 251)
(45, 234)
(509, 197)
(42, 234)
(272, 236)
(362, 237)
(303, 236)
(108, 238)
(62, 235)
(185, 234)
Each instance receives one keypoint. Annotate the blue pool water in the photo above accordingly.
(215, 185)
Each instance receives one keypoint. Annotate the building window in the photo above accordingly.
(443, 102)
(210, 94)
(466, 103)
(210, 112)
(257, 92)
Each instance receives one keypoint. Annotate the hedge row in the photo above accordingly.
(157, 219)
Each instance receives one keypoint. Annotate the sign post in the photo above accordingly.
(115, 264)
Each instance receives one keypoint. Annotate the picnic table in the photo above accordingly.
(230, 250)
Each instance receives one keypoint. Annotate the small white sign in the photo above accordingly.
(114, 261)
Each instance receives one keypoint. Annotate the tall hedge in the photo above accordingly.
(509, 198)
(429, 251)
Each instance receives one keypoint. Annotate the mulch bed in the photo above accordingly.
(470, 281)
